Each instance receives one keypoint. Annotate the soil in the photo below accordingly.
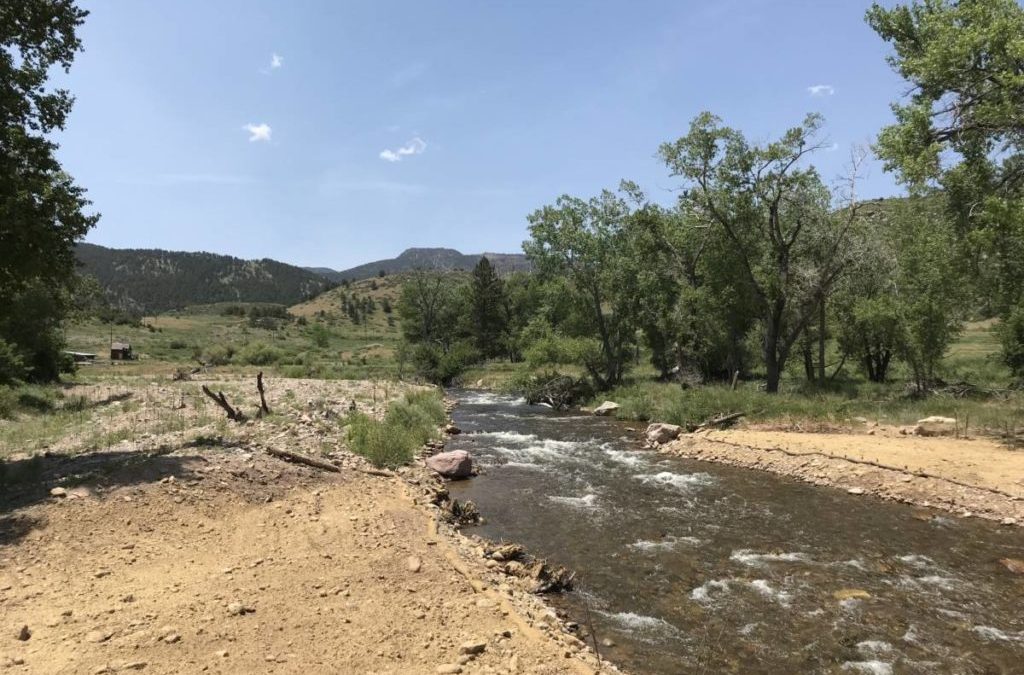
(216, 557)
(966, 476)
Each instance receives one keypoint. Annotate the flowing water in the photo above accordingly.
(695, 567)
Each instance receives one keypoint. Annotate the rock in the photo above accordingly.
(473, 647)
(58, 492)
(454, 464)
(23, 633)
(171, 638)
(935, 426)
(856, 491)
(851, 594)
(1015, 565)
(513, 664)
(607, 642)
(448, 668)
(238, 609)
(98, 636)
(452, 430)
(221, 653)
(1008, 521)
(662, 433)
(606, 408)
(414, 564)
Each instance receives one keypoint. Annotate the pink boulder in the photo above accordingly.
(454, 464)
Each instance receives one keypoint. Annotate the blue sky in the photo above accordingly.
(331, 133)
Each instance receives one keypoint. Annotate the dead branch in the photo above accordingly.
(264, 410)
(222, 401)
(303, 459)
(719, 422)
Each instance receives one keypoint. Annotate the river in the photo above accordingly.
(686, 566)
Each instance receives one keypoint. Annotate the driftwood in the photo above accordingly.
(719, 422)
(550, 580)
(221, 400)
(303, 459)
(264, 410)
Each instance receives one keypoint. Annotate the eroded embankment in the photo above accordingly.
(224, 559)
(969, 477)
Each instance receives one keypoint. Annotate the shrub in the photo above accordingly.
(1011, 335)
(178, 344)
(218, 355)
(258, 354)
(408, 424)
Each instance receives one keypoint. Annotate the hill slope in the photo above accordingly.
(426, 258)
(152, 280)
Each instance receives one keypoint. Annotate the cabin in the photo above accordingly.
(121, 351)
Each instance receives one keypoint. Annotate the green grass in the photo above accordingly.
(393, 441)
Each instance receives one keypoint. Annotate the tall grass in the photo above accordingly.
(408, 424)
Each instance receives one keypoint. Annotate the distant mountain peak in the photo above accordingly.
(438, 258)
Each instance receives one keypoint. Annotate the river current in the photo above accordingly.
(686, 566)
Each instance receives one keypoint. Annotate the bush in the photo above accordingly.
(258, 354)
(1011, 336)
(441, 367)
(408, 424)
(218, 355)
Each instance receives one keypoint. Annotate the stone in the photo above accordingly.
(1015, 565)
(851, 594)
(58, 492)
(662, 433)
(607, 642)
(448, 668)
(221, 653)
(23, 633)
(414, 564)
(935, 426)
(856, 491)
(98, 636)
(171, 638)
(452, 430)
(454, 464)
(606, 408)
(238, 609)
(473, 647)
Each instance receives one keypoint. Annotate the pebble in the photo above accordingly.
(238, 609)
(856, 491)
(172, 638)
(24, 633)
(414, 564)
(58, 492)
(448, 668)
(98, 636)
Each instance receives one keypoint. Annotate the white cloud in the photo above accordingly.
(276, 61)
(258, 132)
(821, 90)
(414, 147)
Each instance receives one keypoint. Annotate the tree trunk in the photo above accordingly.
(821, 342)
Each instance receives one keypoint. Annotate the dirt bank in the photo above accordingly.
(219, 558)
(964, 476)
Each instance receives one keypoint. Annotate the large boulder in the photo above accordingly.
(935, 426)
(606, 408)
(454, 464)
(662, 433)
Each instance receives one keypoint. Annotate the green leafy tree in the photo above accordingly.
(579, 245)
(41, 209)
(961, 128)
(777, 216)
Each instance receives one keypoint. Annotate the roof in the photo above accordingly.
(120, 345)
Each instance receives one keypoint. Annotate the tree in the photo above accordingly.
(41, 209)
(777, 216)
(579, 244)
(486, 301)
(962, 127)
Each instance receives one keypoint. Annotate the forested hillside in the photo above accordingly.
(151, 280)
(427, 259)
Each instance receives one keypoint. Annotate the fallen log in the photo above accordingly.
(719, 422)
(303, 459)
(220, 399)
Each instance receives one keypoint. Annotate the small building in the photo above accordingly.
(121, 351)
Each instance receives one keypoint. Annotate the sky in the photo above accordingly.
(335, 133)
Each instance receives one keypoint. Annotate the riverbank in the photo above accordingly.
(181, 552)
(967, 477)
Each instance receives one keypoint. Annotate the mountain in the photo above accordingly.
(426, 258)
(152, 280)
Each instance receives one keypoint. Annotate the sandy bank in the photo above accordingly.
(964, 476)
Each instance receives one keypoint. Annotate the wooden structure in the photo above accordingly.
(121, 351)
